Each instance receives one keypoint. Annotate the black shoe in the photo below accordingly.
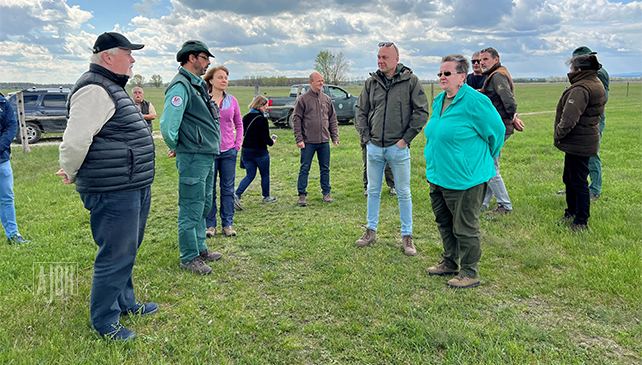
(594, 197)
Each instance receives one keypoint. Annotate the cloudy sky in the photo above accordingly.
(45, 41)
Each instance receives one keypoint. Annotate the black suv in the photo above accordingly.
(40, 105)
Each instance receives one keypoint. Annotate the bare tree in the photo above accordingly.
(332, 67)
(156, 81)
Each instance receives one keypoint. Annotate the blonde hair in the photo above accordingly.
(258, 102)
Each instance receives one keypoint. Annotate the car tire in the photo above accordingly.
(33, 133)
(291, 119)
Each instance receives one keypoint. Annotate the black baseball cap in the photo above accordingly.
(193, 46)
(110, 40)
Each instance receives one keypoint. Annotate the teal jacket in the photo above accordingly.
(187, 124)
(461, 142)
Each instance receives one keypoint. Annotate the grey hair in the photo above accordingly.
(477, 53)
(137, 88)
(462, 65)
(96, 57)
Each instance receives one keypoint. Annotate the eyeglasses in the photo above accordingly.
(386, 44)
(203, 57)
(475, 61)
(446, 73)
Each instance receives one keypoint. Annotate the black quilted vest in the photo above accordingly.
(121, 156)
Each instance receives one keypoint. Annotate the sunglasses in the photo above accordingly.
(445, 73)
(385, 44)
(475, 61)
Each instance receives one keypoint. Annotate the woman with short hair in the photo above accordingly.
(463, 135)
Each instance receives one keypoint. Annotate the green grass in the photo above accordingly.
(292, 288)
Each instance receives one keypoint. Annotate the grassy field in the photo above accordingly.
(292, 288)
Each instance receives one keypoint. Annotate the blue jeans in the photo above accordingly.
(7, 208)
(399, 161)
(225, 170)
(118, 222)
(496, 187)
(251, 164)
(595, 170)
(323, 155)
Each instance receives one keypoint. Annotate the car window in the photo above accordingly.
(337, 93)
(55, 101)
(30, 99)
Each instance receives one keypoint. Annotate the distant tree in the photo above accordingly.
(137, 80)
(331, 66)
(156, 81)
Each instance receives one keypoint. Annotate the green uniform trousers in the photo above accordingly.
(457, 216)
(195, 188)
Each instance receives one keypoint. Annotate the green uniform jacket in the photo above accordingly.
(499, 89)
(385, 114)
(578, 114)
(198, 129)
(462, 141)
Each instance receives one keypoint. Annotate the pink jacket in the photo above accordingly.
(230, 122)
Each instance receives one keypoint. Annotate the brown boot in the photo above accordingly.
(197, 266)
(498, 211)
(408, 245)
(229, 231)
(369, 237)
(209, 255)
(210, 232)
(327, 198)
(441, 269)
(463, 282)
(302, 202)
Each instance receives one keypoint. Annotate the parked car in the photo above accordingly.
(41, 104)
(342, 100)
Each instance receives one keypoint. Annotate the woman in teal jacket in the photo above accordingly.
(463, 135)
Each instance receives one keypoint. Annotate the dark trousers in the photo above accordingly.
(323, 155)
(225, 172)
(390, 179)
(457, 216)
(578, 199)
(118, 225)
(251, 164)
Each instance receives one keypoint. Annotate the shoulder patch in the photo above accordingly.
(571, 101)
(177, 101)
(421, 91)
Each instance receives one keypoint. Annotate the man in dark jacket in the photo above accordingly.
(391, 110)
(147, 108)
(108, 152)
(8, 130)
(577, 133)
(476, 78)
(499, 89)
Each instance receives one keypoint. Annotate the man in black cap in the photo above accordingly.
(190, 128)
(108, 152)
(595, 163)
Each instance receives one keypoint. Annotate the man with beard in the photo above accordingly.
(499, 89)
(191, 131)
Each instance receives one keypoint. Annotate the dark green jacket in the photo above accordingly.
(199, 130)
(578, 114)
(387, 113)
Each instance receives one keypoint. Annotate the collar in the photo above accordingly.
(117, 78)
(492, 69)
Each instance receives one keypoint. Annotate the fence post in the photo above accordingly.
(21, 122)
(627, 89)
(432, 92)
(257, 90)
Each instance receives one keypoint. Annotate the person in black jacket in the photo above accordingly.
(254, 153)
(108, 152)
